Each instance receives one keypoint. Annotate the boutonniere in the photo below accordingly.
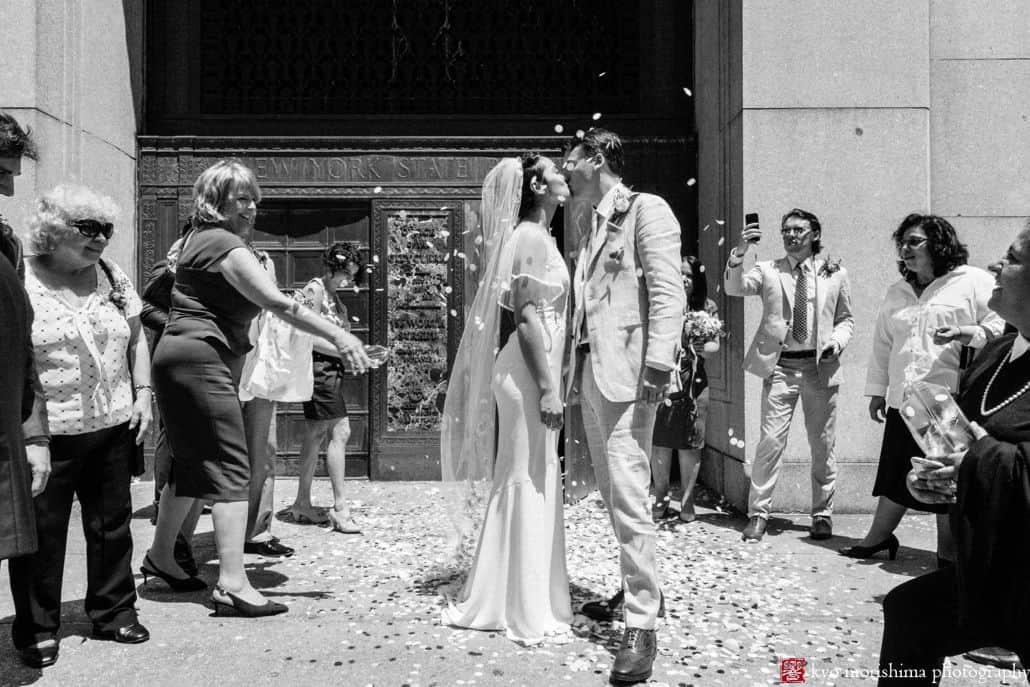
(621, 202)
(617, 255)
(830, 265)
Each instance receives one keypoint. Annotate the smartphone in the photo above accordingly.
(752, 218)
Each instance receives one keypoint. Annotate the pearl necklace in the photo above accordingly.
(984, 410)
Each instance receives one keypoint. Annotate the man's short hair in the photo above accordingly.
(601, 141)
(15, 141)
(813, 222)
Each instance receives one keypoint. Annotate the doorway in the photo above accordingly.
(295, 233)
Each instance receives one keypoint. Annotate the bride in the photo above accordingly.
(503, 411)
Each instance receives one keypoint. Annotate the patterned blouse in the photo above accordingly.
(82, 354)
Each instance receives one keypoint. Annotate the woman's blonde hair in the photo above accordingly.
(214, 185)
(57, 209)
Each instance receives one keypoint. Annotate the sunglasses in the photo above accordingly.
(91, 228)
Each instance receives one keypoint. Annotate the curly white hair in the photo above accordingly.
(57, 209)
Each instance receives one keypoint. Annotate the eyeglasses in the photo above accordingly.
(913, 242)
(91, 228)
(795, 231)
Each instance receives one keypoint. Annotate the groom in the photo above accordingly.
(626, 329)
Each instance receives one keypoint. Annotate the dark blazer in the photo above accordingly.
(17, 376)
(157, 301)
(991, 519)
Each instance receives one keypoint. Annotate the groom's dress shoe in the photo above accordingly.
(36, 656)
(822, 527)
(612, 608)
(755, 530)
(635, 659)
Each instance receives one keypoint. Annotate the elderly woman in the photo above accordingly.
(939, 305)
(985, 598)
(95, 370)
(220, 287)
(326, 412)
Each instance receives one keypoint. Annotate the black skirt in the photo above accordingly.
(895, 462)
(327, 395)
(197, 387)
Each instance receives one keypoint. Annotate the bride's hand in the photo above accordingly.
(552, 411)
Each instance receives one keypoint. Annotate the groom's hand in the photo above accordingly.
(654, 383)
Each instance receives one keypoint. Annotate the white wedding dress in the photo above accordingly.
(519, 582)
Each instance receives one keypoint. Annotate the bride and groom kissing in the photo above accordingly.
(507, 392)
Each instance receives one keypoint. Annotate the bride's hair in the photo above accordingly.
(533, 167)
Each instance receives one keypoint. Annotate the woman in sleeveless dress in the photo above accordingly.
(504, 424)
(326, 411)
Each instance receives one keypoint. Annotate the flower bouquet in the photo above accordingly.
(700, 326)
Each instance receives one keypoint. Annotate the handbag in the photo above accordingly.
(279, 367)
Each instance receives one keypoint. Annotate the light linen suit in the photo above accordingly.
(627, 286)
(814, 381)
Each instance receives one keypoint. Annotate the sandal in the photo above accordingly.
(314, 516)
(346, 526)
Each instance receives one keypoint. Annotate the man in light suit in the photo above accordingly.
(806, 323)
(628, 317)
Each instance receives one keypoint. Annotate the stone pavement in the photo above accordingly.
(363, 608)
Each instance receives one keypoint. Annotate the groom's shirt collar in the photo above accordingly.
(607, 204)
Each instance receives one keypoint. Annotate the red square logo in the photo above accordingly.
(792, 671)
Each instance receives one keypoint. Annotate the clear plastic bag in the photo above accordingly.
(279, 368)
(935, 420)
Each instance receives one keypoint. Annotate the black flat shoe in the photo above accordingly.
(179, 584)
(272, 548)
(890, 545)
(127, 634)
(245, 608)
(39, 656)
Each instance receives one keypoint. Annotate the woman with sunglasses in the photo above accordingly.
(937, 307)
(95, 370)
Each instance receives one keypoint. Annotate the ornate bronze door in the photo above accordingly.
(295, 233)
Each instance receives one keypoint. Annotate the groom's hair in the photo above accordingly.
(601, 141)
(533, 167)
(15, 141)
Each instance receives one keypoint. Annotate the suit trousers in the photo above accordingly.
(794, 379)
(619, 438)
(921, 628)
(259, 423)
(96, 467)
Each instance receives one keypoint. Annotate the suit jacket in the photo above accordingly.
(627, 284)
(17, 374)
(772, 281)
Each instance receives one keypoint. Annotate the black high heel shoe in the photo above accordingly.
(179, 584)
(890, 545)
(245, 608)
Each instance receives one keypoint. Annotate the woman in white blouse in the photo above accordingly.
(95, 371)
(937, 307)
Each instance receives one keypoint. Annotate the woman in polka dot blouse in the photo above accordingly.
(95, 371)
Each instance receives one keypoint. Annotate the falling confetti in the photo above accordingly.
(601, 74)
(375, 259)
(691, 181)
(558, 128)
(720, 222)
(722, 240)
(688, 91)
(454, 313)
(597, 115)
(377, 189)
(580, 133)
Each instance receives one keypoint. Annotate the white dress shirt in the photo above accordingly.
(903, 338)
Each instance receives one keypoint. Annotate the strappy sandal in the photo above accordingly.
(346, 526)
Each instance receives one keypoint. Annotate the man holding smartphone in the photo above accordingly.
(806, 324)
